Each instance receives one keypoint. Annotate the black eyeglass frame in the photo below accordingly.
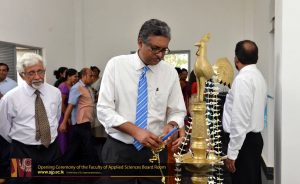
(157, 50)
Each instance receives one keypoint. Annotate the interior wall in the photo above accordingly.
(287, 109)
(278, 93)
(262, 14)
(41, 23)
(111, 26)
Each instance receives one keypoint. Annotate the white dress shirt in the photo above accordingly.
(118, 96)
(17, 113)
(6, 85)
(244, 107)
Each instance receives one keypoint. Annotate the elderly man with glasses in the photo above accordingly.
(140, 100)
(29, 116)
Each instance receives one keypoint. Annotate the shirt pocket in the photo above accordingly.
(158, 102)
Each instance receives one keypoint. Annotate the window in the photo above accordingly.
(180, 58)
(8, 56)
(11, 52)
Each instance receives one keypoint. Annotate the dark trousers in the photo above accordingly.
(39, 155)
(248, 162)
(4, 158)
(117, 152)
(82, 146)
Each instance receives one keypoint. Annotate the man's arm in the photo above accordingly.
(5, 119)
(106, 108)
(176, 110)
(73, 99)
(67, 115)
(240, 117)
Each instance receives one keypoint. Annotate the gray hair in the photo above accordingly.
(28, 59)
(154, 27)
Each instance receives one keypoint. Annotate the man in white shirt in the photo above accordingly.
(31, 134)
(117, 104)
(243, 116)
(6, 83)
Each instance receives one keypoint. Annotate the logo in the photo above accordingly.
(20, 167)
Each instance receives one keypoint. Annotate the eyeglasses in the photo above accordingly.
(33, 73)
(157, 50)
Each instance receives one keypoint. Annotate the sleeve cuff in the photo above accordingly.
(232, 154)
(179, 120)
(119, 121)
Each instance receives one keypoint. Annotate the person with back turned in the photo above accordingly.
(243, 116)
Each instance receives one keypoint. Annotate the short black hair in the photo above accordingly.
(247, 52)
(154, 27)
(4, 64)
(184, 70)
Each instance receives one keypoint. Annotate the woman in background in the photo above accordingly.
(185, 87)
(70, 79)
(60, 75)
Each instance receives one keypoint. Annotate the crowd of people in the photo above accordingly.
(139, 99)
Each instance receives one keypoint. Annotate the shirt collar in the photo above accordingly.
(140, 64)
(81, 82)
(5, 80)
(248, 67)
(30, 90)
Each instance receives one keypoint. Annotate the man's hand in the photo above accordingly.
(62, 128)
(230, 164)
(176, 144)
(147, 138)
(167, 128)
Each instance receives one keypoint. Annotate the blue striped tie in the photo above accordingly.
(141, 106)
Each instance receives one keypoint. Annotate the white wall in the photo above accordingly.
(48, 24)
(78, 33)
(261, 21)
(111, 26)
(287, 92)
